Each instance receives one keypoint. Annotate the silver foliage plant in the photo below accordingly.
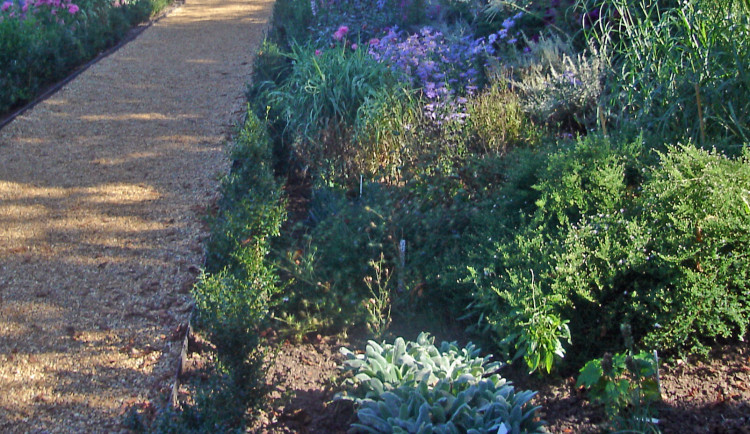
(416, 387)
(557, 87)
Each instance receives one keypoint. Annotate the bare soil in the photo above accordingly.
(102, 191)
(697, 397)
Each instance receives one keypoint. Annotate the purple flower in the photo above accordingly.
(318, 52)
(354, 47)
(72, 9)
(6, 6)
(341, 33)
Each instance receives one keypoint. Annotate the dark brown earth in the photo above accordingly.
(711, 396)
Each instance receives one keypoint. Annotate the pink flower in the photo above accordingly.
(354, 47)
(318, 52)
(5, 6)
(72, 9)
(374, 41)
(340, 33)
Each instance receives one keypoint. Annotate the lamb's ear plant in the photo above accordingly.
(417, 387)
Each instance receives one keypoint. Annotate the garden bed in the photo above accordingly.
(506, 168)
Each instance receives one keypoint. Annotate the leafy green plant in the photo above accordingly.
(535, 329)
(384, 367)
(626, 384)
(468, 405)
(233, 303)
(418, 387)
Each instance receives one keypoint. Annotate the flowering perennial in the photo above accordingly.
(19, 8)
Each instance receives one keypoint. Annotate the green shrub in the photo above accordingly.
(418, 387)
(522, 293)
(696, 205)
(607, 241)
(233, 303)
(252, 207)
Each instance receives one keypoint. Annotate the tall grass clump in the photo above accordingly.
(679, 71)
(320, 102)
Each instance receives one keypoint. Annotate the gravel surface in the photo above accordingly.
(102, 191)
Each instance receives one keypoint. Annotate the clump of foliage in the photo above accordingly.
(604, 238)
(233, 302)
(328, 269)
(252, 206)
(626, 384)
(418, 387)
(319, 103)
(496, 121)
(559, 88)
(696, 204)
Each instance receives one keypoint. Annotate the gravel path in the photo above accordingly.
(102, 190)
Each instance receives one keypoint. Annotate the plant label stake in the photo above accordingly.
(402, 262)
